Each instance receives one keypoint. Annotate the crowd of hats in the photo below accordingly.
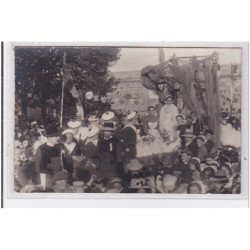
(219, 172)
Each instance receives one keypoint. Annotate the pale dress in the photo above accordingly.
(229, 136)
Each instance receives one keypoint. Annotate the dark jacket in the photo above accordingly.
(47, 159)
(128, 143)
(186, 173)
(67, 157)
(197, 127)
(209, 145)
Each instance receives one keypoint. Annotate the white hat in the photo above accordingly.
(89, 95)
(131, 115)
(92, 118)
(33, 123)
(137, 183)
(67, 131)
(108, 116)
(134, 165)
(116, 180)
(74, 124)
(93, 131)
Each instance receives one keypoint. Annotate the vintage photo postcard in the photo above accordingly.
(161, 120)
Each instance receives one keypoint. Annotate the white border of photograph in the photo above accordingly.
(13, 199)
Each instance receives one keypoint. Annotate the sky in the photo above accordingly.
(134, 59)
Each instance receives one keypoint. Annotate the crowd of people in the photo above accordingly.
(163, 151)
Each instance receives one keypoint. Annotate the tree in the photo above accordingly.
(39, 71)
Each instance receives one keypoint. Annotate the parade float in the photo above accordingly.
(194, 81)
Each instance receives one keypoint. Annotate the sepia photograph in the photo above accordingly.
(110, 119)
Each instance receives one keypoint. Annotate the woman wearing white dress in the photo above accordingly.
(167, 120)
(228, 135)
(151, 128)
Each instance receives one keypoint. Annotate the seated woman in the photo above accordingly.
(151, 128)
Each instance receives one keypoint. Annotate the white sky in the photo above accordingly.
(133, 59)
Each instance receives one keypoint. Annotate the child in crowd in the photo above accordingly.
(117, 185)
(202, 150)
(209, 144)
(195, 168)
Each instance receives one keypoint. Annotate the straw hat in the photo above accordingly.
(89, 95)
(131, 115)
(134, 165)
(78, 184)
(108, 116)
(93, 131)
(92, 118)
(196, 160)
(68, 131)
(137, 183)
(74, 124)
(181, 115)
(116, 180)
(33, 123)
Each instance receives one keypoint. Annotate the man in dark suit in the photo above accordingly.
(126, 148)
(190, 142)
(48, 159)
(197, 124)
(182, 169)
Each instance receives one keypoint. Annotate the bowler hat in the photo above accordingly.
(208, 131)
(51, 131)
(108, 126)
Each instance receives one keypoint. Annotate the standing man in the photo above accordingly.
(126, 148)
(48, 159)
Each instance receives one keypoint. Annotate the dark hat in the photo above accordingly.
(188, 133)
(224, 115)
(51, 131)
(208, 131)
(169, 97)
(200, 137)
(186, 151)
(101, 180)
(108, 126)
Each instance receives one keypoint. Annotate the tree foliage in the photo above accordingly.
(39, 71)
